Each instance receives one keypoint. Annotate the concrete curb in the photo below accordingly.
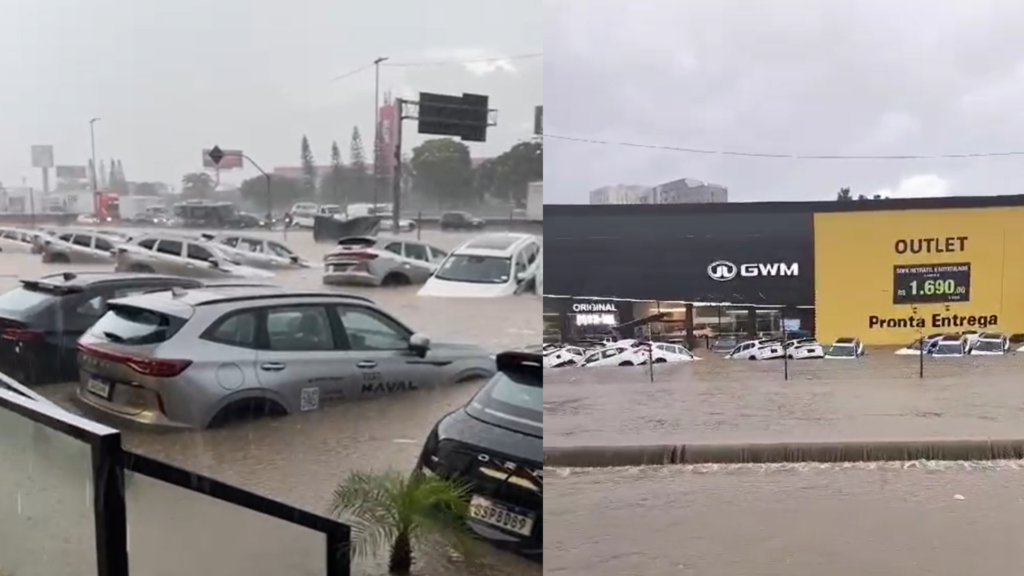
(782, 452)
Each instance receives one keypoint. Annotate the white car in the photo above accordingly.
(562, 356)
(257, 252)
(951, 346)
(404, 224)
(990, 344)
(616, 356)
(805, 351)
(669, 353)
(800, 342)
(488, 266)
(757, 350)
(303, 214)
(845, 349)
(972, 336)
(914, 348)
(19, 241)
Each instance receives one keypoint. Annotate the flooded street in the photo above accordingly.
(892, 519)
(877, 397)
(299, 459)
(787, 520)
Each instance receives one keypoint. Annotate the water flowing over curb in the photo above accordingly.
(783, 452)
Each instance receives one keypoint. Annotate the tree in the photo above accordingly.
(359, 185)
(444, 170)
(844, 195)
(196, 185)
(333, 183)
(485, 178)
(284, 192)
(310, 177)
(146, 189)
(399, 514)
(515, 168)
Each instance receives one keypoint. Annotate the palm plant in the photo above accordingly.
(398, 514)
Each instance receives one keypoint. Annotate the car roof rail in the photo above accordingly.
(283, 294)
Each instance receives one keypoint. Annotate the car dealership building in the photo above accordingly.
(885, 271)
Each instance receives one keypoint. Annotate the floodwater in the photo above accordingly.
(299, 459)
(916, 519)
(880, 396)
(899, 519)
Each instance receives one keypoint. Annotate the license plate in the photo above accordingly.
(495, 514)
(101, 389)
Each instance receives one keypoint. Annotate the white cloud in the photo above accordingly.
(920, 186)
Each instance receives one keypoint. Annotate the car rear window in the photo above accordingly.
(133, 326)
(513, 400)
(23, 300)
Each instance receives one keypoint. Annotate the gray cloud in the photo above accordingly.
(169, 78)
(843, 77)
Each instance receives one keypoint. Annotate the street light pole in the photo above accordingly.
(95, 185)
(376, 126)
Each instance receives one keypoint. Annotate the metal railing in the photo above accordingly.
(110, 461)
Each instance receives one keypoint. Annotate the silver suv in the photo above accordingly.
(182, 256)
(197, 358)
(81, 247)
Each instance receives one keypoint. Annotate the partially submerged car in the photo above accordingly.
(804, 349)
(257, 252)
(81, 247)
(990, 344)
(381, 261)
(18, 240)
(488, 266)
(915, 348)
(622, 354)
(664, 352)
(951, 346)
(183, 256)
(845, 348)
(563, 356)
(767, 349)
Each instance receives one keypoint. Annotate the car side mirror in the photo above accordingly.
(294, 259)
(214, 263)
(521, 276)
(419, 344)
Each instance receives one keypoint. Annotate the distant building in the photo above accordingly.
(682, 191)
(622, 194)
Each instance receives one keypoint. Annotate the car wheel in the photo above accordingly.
(58, 259)
(395, 279)
(626, 363)
(751, 357)
(247, 409)
(141, 269)
(660, 361)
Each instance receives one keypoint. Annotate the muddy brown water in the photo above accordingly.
(905, 519)
(299, 459)
(878, 397)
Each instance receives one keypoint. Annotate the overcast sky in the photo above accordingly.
(169, 78)
(861, 77)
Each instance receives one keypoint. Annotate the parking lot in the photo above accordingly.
(299, 459)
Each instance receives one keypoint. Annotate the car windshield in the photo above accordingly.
(988, 346)
(842, 351)
(475, 269)
(513, 400)
(948, 349)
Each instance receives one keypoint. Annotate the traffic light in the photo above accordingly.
(463, 116)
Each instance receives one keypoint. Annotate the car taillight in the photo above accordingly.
(21, 334)
(156, 367)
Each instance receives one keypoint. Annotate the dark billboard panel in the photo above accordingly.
(676, 253)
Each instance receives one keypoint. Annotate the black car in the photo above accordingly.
(41, 320)
(461, 221)
(495, 443)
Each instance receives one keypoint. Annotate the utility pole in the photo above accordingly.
(95, 183)
(376, 127)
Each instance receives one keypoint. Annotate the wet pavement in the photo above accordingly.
(896, 519)
(878, 397)
(299, 459)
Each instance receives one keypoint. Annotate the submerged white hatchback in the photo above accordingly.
(488, 266)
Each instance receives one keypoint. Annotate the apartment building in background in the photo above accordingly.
(682, 191)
